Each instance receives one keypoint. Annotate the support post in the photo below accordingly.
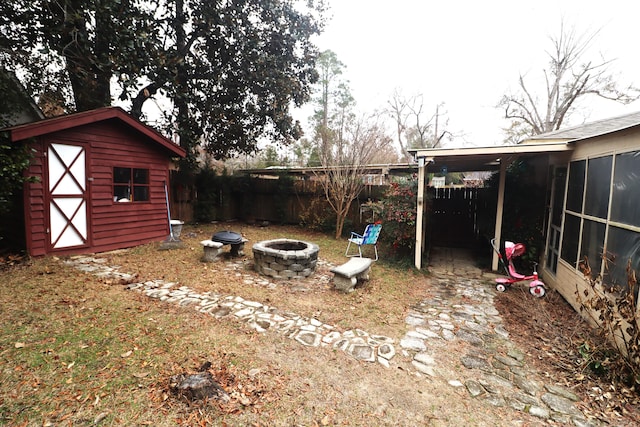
(499, 210)
(420, 214)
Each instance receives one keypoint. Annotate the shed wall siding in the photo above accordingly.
(112, 225)
(34, 207)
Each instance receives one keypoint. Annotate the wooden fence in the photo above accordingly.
(264, 199)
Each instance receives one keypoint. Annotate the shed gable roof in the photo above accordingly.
(43, 127)
(592, 129)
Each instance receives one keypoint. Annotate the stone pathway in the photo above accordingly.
(310, 332)
(460, 309)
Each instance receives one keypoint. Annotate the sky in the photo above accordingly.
(467, 53)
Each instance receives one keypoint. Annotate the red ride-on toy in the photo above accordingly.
(513, 250)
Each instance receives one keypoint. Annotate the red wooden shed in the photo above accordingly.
(100, 182)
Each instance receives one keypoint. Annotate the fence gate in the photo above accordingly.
(453, 219)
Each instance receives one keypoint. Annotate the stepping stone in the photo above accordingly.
(496, 400)
(384, 362)
(561, 391)
(474, 362)
(308, 338)
(411, 343)
(448, 335)
(428, 333)
(416, 334)
(528, 386)
(331, 337)
(414, 320)
(507, 360)
(362, 352)
(560, 404)
(341, 344)
(244, 312)
(469, 337)
(539, 412)
(516, 354)
(425, 369)
(424, 358)
(474, 388)
(386, 351)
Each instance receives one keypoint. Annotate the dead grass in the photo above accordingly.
(379, 306)
(75, 350)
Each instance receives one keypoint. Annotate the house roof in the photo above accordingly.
(68, 121)
(485, 158)
(26, 109)
(592, 129)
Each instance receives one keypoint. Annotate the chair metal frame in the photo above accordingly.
(369, 237)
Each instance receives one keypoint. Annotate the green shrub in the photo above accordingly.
(399, 217)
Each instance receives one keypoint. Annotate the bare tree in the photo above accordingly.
(345, 142)
(568, 78)
(345, 160)
(414, 129)
(398, 111)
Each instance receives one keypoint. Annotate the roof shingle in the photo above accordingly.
(590, 130)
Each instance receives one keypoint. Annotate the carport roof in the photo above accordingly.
(485, 158)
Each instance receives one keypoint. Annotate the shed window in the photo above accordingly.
(130, 184)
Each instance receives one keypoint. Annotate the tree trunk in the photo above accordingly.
(89, 69)
(341, 216)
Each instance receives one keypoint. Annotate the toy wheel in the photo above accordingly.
(537, 291)
(501, 287)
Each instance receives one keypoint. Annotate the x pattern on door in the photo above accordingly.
(68, 196)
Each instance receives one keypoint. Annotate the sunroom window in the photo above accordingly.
(625, 201)
(605, 229)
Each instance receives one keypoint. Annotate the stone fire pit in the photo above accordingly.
(285, 258)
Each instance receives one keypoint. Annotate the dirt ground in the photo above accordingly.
(57, 321)
(563, 347)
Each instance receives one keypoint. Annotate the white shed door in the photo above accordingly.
(67, 196)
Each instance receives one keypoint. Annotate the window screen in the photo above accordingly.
(596, 201)
(575, 187)
(558, 196)
(625, 202)
(570, 239)
(623, 246)
(592, 244)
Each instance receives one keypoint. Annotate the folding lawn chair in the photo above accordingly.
(369, 237)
